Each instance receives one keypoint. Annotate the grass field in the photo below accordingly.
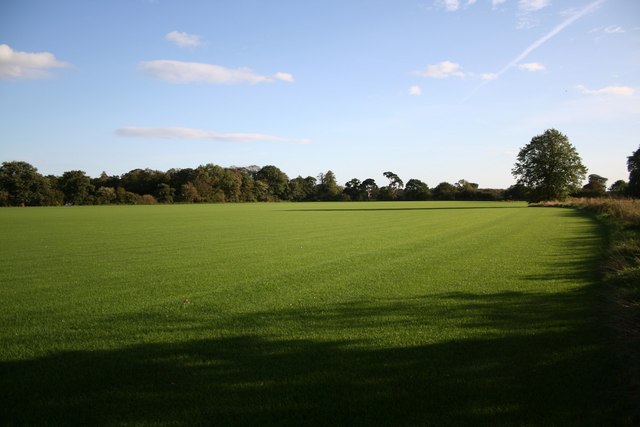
(429, 313)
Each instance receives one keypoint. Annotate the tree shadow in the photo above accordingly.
(395, 208)
(518, 358)
(538, 364)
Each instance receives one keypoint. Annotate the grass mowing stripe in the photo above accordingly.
(353, 313)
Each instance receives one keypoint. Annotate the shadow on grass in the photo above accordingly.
(548, 369)
(426, 208)
(531, 358)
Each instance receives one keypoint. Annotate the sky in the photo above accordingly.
(436, 90)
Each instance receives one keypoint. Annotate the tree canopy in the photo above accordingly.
(633, 166)
(549, 167)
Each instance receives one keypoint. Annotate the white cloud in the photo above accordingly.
(415, 90)
(496, 3)
(611, 29)
(489, 76)
(286, 77)
(441, 70)
(449, 5)
(532, 66)
(190, 133)
(608, 90)
(183, 39)
(533, 5)
(197, 72)
(614, 29)
(15, 64)
(453, 5)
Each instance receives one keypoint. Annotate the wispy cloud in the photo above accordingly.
(26, 65)
(449, 5)
(533, 5)
(180, 133)
(285, 77)
(489, 76)
(183, 39)
(527, 17)
(496, 3)
(542, 40)
(611, 29)
(197, 72)
(415, 90)
(454, 5)
(441, 70)
(536, 44)
(614, 29)
(608, 90)
(532, 66)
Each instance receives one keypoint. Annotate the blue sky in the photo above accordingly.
(435, 90)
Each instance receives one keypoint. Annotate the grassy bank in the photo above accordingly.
(620, 270)
(426, 313)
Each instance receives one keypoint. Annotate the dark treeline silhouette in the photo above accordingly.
(22, 185)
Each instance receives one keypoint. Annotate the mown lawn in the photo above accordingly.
(426, 313)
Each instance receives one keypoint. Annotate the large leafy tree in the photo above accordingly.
(393, 190)
(416, 190)
(277, 182)
(76, 186)
(549, 167)
(22, 185)
(633, 165)
(328, 188)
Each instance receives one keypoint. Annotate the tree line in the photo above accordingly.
(22, 185)
(547, 168)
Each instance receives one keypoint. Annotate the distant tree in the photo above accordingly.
(164, 193)
(549, 167)
(393, 190)
(247, 186)
(77, 188)
(276, 180)
(302, 189)
(55, 197)
(370, 187)
(354, 191)
(148, 199)
(189, 193)
(416, 190)
(126, 197)
(204, 180)
(466, 190)
(105, 195)
(176, 178)
(633, 166)
(445, 191)
(328, 188)
(619, 188)
(596, 187)
(261, 191)
(516, 192)
(142, 181)
(105, 180)
(22, 185)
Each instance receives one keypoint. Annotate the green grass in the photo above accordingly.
(349, 313)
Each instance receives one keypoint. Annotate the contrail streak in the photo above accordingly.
(542, 40)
